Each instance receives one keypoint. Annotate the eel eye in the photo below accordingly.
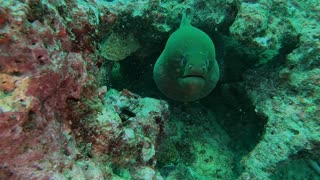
(183, 61)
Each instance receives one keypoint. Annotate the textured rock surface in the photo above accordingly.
(117, 48)
(282, 38)
(265, 28)
(47, 86)
(286, 90)
(38, 80)
(195, 146)
(56, 122)
(124, 136)
(152, 21)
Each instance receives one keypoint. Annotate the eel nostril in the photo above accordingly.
(203, 68)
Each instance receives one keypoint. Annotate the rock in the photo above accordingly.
(117, 48)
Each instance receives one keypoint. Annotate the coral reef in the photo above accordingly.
(125, 134)
(47, 84)
(264, 34)
(195, 147)
(285, 91)
(39, 79)
(61, 117)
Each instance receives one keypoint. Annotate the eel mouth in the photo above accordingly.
(193, 76)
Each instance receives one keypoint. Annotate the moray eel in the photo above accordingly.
(187, 69)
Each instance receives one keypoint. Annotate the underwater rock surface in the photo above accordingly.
(60, 119)
(286, 89)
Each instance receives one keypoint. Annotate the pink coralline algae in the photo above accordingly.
(126, 131)
(55, 122)
(39, 76)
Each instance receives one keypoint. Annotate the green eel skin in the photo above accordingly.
(187, 69)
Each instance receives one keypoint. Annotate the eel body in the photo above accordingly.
(187, 69)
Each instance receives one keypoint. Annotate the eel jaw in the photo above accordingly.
(198, 76)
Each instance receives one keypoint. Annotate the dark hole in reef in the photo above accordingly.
(136, 75)
(13, 130)
(61, 10)
(18, 61)
(40, 59)
(232, 108)
(16, 73)
(125, 114)
(116, 169)
(158, 119)
(289, 43)
(236, 115)
(5, 172)
(66, 152)
(29, 124)
(89, 154)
